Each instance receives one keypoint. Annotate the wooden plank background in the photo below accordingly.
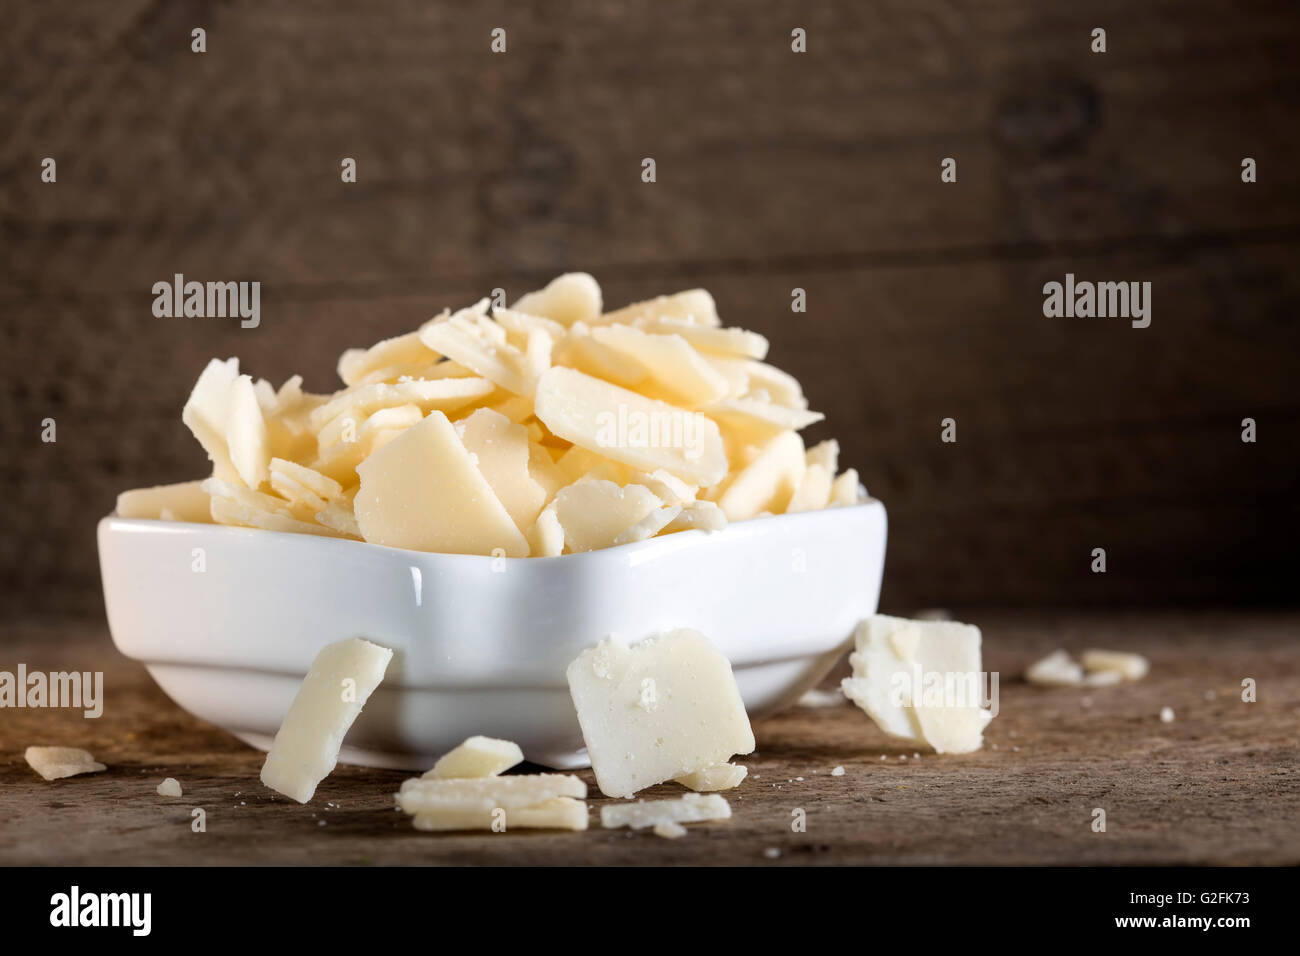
(775, 171)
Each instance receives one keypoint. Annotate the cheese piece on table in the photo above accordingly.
(670, 362)
(54, 763)
(739, 343)
(693, 305)
(246, 436)
(723, 776)
(874, 685)
(1128, 666)
(501, 451)
(557, 813)
(845, 490)
(423, 491)
(483, 794)
(768, 482)
(663, 708)
(950, 717)
(206, 410)
(406, 349)
(306, 747)
(1055, 670)
(691, 808)
(595, 513)
(477, 757)
(630, 428)
(572, 297)
(669, 831)
(186, 501)
(170, 787)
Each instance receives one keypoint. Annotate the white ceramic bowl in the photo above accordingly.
(480, 644)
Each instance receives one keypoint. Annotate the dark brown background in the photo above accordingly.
(775, 170)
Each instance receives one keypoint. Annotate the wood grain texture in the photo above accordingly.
(775, 170)
(1219, 785)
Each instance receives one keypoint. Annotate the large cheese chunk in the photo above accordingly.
(483, 794)
(423, 491)
(630, 428)
(723, 776)
(663, 708)
(477, 757)
(186, 501)
(572, 297)
(768, 482)
(921, 680)
(691, 808)
(306, 747)
(557, 813)
(54, 763)
(501, 451)
(594, 514)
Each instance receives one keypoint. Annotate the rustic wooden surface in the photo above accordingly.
(1219, 785)
(775, 170)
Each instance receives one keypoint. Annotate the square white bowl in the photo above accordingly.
(480, 644)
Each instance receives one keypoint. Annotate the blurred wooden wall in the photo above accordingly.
(775, 170)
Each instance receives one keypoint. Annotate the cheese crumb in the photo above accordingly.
(692, 808)
(837, 772)
(54, 763)
(1167, 715)
(670, 831)
(171, 787)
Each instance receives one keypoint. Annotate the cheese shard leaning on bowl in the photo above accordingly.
(921, 681)
(663, 708)
(306, 747)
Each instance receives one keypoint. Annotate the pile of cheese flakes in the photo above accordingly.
(544, 429)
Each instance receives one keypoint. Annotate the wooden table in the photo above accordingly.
(1218, 785)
